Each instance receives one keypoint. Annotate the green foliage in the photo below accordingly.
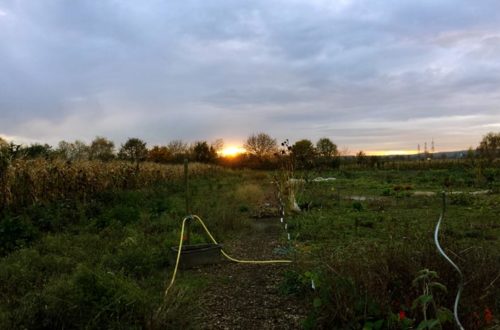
(489, 147)
(293, 283)
(357, 206)
(133, 150)
(304, 154)
(37, 150)
(15, 232)
(366, 271)
(73, 151)
(243, 208)
(88, 298)
(326, 148)
(103, 262)
(387, 192)
(203, 153)
(124, 214)
(462, 199)
(102, 149)
(54, 216)
(100, 260)
(377, 325)
(159, 154)
(134, 256)
(120, 214)
(426, 302)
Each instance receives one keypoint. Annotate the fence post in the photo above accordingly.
(188, 210)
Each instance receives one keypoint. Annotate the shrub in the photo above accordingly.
(461, 199)
(15, 232)
(136, 257)
(88, 298)
(357, 206)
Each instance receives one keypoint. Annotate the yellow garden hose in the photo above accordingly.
(181, 240)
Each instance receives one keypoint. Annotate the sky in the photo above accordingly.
(370, 75)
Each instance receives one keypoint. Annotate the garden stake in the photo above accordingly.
(188, 211)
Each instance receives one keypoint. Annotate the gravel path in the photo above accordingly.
(245, 296)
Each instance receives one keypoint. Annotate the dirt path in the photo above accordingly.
(245, 296)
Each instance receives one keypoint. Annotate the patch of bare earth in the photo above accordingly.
(246, 296)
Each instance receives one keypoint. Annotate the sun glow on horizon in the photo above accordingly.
(391, 152)
(232, 151)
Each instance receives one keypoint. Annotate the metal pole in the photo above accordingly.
(188, 210)
(441, 251)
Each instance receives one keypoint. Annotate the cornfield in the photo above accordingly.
(26, 182)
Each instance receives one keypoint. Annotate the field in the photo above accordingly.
(90, 249)
(370, 233)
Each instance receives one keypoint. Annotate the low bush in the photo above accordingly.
(15, 232)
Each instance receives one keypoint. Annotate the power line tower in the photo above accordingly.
(418, 151)
(425, 147)
(432, 146)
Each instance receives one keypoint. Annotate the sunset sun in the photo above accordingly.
(232, 151)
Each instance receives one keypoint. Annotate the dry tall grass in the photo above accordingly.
(25, 182)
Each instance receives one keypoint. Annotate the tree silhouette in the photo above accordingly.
(489, 147)
(217, 145)
(77, 150)
(37, 150)
(304, 153)
(159, 154)
(326, 148)
(361, 158)
(178, 150)
(134, 150)
(261, 145)
(203, 153)
(328, 154)
(102, 149)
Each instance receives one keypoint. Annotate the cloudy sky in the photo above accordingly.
(371, 75)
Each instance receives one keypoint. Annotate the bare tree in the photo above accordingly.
(344, 151)
(176, 147)
(261, 145)
(217, 145)
(77, 150)
(361, 157)
(178, 150)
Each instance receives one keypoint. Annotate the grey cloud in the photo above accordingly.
(202, 69)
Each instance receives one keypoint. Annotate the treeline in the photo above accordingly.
(262, 152)
(103, 149)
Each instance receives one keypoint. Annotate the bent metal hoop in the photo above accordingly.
(441, 251)
(197, 218)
